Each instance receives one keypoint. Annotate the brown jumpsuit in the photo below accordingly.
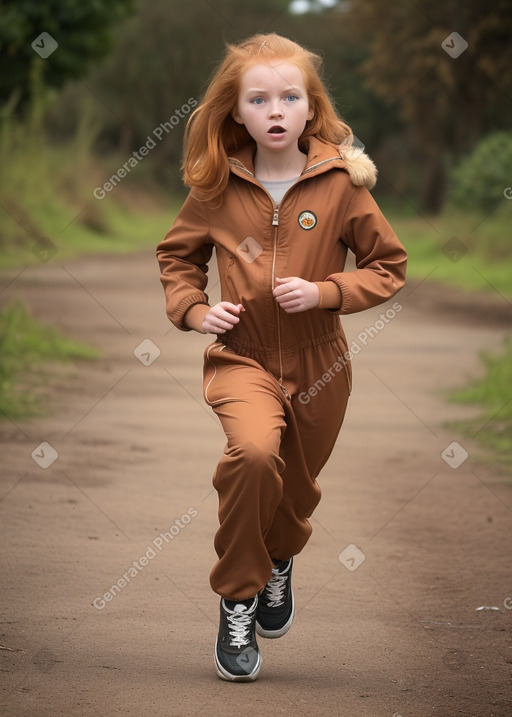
(278, 382)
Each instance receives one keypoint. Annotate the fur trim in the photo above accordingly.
(361, 169)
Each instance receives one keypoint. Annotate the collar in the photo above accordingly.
(321, 157)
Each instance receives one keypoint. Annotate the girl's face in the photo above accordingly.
(273, 104)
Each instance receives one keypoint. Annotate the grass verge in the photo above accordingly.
(48, 205)
(26, 348)
(468, 251)
(48, 211)
(493, 392)
(62, 233)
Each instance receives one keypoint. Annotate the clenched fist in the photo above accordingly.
(222, 317)
(294, 294)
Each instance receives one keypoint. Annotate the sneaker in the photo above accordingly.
(237, 657)
(276, 608)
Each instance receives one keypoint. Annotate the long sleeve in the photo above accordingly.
(183, 257)
(381, 259)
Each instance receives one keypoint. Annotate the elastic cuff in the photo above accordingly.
(330, 295)
(194, 317)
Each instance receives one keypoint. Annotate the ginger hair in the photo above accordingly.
(212, 134)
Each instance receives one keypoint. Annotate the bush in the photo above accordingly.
(481, 178)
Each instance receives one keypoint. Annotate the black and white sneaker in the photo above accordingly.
(274, 615)
(237, 657)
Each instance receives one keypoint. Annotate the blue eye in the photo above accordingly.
(257, 101)
(292, 97)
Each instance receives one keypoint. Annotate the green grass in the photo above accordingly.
(46, 200)
(486, 266)
(487, 263)
(493, 392)
(125, 231)
(46, 190)
(26, 348)
(63, 210)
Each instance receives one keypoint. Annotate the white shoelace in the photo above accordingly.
(239, 624)
(275, 590)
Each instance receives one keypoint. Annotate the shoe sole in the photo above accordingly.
(225, 675)
(274, 634)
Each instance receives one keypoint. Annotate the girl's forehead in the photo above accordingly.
(272, 74)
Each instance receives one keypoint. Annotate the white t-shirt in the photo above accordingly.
(277, 190)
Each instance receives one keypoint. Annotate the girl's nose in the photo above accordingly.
(275, 110)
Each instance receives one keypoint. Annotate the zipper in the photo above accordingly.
(319, 164)
(275, 223)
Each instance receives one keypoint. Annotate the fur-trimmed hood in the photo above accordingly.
(321, 157)
(362, 170)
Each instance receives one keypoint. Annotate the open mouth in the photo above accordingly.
(276, 129)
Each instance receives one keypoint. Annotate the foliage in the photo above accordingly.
(483, 261)
(447, 102)
(148, 79)
(417, 109)
(83, 31)
(481, 178)
(47, 195)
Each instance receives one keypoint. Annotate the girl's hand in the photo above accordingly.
(222, 317)
(294, 294)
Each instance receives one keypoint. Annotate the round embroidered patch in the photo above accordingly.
(307, 220)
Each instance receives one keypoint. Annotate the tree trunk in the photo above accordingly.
(433, 183)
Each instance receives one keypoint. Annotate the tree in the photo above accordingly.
(163, 58)
(83, 32)
(165, 54)
(449, 94)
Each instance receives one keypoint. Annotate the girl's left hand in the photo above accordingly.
(294, 294)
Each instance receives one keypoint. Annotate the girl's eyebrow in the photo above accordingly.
(287, 89)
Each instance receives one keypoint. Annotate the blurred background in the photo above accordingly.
(95, 97)
(435, 118)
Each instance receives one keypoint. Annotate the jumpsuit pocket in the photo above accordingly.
(343, 358)
(216, 385)
(230, 284)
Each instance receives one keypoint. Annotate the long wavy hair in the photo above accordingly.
(212, 134)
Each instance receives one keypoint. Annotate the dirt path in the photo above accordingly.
(130, 494)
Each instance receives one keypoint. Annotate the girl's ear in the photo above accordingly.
(236, 116)
(311, 113)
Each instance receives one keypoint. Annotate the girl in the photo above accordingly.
(282, 196)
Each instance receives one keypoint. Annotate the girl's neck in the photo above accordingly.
(278, 166)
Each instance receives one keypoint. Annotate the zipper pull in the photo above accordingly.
(275, 218)
(285, 391)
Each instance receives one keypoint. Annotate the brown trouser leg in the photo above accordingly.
(266, 477)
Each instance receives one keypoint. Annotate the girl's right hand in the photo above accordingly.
(222, 317)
